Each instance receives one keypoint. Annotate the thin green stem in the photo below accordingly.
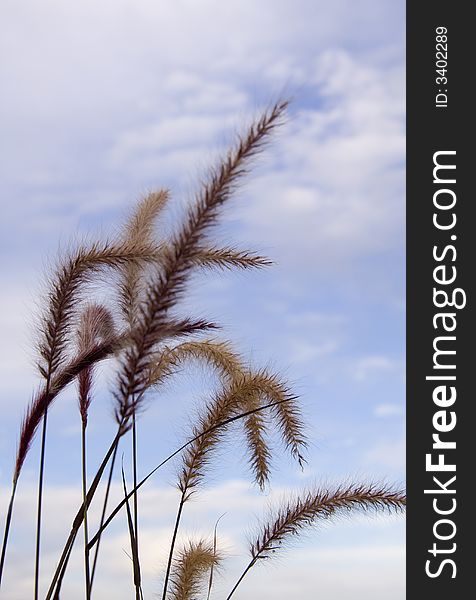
(8, 521)
(86, 540)
(172, 543)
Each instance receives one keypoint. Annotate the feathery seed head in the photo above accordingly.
(179, 256)
(313, 505)
(246, 392)
(67, 287)
(191, 567)
(96, 327)
(217, 354)
(139, 229)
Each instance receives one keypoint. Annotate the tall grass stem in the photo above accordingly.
(85, 521)
(172, 543)
(8, 521)
(40, 503)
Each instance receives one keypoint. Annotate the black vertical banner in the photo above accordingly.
(441, 333)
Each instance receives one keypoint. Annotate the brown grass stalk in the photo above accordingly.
(87, 577)
(133, 540)
(139, 228)
(42, 400)
(65, 291)
(67, 287)
(212, 568)
(8, 521)
(96, 326)
(322, 504)
(178, 259)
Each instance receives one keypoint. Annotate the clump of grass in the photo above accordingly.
(140, 329)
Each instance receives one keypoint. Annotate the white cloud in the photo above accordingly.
(170, 93)
(360, 573)
(301, 351)
(371, 366)
(16, 355)
(348, 551)
(388, 410)
(388, 454)
(337, 180)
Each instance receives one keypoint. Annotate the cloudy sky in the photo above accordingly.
(102, 101)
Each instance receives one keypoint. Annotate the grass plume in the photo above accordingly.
(230, 258)
(178, 451)
(67, 287)
(96, 327)
(238, 397)
(230, 365)
(314, 505)
(191, 567)
(217, 354)
(242, 394)
(139, 228)
(180, 255)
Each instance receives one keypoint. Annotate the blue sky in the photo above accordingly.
(104, 101)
